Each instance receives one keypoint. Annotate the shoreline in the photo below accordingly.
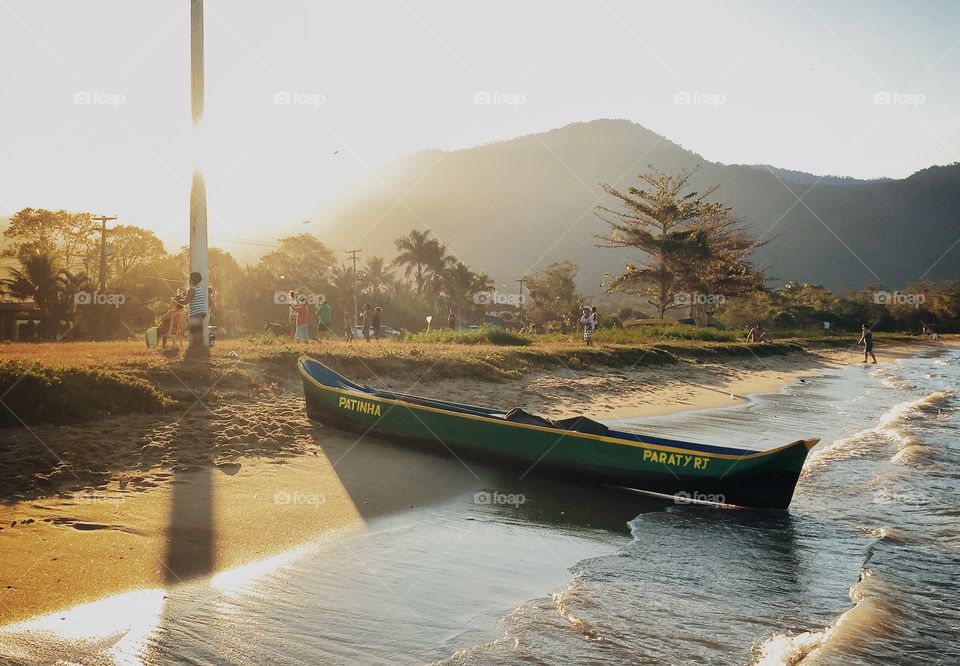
(135, 524)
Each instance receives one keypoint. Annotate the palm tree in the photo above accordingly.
(376, 277)
(460, 284)
(342, 286)
(421, 255)
(40, 279)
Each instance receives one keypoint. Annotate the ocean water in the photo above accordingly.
(863, 569)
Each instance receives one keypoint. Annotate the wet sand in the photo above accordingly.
(148, 502)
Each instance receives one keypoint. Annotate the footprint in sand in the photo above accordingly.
(229, 468)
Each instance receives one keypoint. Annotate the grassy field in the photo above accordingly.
(68, 382)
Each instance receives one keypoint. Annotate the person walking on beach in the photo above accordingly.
(197, 299)
(451, 320)
(300, 315)
(324, 318)
(586, 320)
(866, 339)
(348, 334)
(377, 318)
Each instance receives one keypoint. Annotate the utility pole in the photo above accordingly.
(102, 280)
(356, 308)
(198, 190)
(521, 281)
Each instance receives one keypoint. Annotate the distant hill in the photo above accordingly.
(517, 205)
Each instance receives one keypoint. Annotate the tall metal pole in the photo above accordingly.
(102, 279)
(356, 307)
(198, 192)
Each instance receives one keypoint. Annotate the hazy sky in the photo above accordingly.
(95, 108)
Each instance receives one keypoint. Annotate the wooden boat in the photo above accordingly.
(577, 447)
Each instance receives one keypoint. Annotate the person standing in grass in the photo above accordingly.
(348, 334)
(866, 339)
(594, 318)
(300, 314)
(366, 319)
(586, 320)
(377, 317)
(451, 320)
(324, 318)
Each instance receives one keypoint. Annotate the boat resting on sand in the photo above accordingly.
(578, 447)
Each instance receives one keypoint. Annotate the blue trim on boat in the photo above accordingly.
(330, 378)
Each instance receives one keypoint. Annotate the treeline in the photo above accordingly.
(692, 264)
(58, 255)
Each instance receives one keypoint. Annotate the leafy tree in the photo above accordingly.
(689, 243)
(302, 262)
(68, 237)
(554, 291)
(129, 247)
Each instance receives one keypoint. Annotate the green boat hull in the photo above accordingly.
(753, 479)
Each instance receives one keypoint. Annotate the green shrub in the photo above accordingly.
(34, 394)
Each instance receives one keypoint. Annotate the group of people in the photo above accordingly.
(371, 323)
(196, 303)
(589, 320)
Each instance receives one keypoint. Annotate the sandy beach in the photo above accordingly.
(149, 501)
